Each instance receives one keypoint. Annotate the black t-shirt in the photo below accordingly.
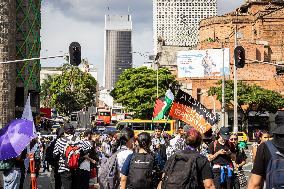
(240, 156)
(222, 159)
(262, 159)
(204, 170)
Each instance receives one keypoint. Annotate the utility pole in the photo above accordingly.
(223, 87)
(235, 129)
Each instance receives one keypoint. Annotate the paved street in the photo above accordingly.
(43, 181)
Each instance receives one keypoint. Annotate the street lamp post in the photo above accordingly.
(235, 90)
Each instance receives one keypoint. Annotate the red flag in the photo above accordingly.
(158, 107)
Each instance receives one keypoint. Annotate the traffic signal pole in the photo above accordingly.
(30, 59)
(235, 129)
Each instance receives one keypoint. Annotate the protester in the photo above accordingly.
(239, 177)
(12, 171)
(263, 136)
(177, 143)
(85, 166)
(94, 154)
(141, 170)
(221, 154)
(106, 145)
(54, 162)
(159, 145)
(188, 168)
(109, 177)
(69, 175)
(269, 162)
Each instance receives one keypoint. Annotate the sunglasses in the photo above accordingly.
(233, 139)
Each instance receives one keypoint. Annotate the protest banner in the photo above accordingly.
(191, 111)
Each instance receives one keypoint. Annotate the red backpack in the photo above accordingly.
(72, 155)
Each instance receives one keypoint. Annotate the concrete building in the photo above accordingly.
(260, 27)
(118, 47)
(19, 39)
(177, 21)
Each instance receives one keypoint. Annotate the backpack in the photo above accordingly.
(182, 171)
(275, 168)
(108, 174)
(6, 165)
(141, 171)
(72, 156)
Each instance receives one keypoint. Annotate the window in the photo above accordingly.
(73, 117)
(150, 126)
(104, 113)
(138, 126)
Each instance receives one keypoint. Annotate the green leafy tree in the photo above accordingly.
(70, 91)
(250, 98)
(136, 89)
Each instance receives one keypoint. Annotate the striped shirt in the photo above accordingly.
(60, 146)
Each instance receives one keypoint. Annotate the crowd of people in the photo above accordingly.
(122, 160)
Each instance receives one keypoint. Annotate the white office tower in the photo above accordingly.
(177, 21)
(118, 47)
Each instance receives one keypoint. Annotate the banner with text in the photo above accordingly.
(191, 111)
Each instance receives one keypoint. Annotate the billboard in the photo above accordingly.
(202, 63)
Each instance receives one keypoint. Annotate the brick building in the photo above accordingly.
(260, 28)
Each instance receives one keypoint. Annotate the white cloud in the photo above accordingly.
(64, 21)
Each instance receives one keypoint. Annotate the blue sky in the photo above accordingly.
(64, 21)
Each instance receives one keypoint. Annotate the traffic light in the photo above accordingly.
(239, 54)
(75, 54)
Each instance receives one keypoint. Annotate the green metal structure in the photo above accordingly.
(28, 45)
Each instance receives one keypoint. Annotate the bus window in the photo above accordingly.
(138, 126)
(151, 126)
(165, 126)
(73, 117)
(116, 111)
(121, 125)
(104, 113)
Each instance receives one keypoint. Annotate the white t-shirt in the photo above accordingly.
(121, 156)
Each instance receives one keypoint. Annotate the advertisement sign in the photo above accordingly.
(202, 63)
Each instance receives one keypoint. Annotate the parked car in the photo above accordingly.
(242, 137)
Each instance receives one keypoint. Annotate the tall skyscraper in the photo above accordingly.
(176, 21)
(118, 47)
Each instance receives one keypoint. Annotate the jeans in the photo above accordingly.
(84, 179)
(12, 178)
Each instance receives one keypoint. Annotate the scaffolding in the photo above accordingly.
(28, 43)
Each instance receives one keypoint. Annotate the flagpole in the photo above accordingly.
(157, 81)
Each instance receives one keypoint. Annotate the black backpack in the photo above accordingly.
(49, 157)
(141, 171)
(275, 168)
(181, 172)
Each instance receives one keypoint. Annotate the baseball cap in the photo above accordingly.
(225, 133)
(68, 128)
